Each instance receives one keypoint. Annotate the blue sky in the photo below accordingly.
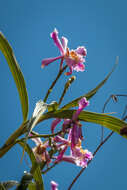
(100, 26)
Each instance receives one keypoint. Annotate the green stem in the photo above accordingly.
(12, 139)
(54, 82)
(66, 87)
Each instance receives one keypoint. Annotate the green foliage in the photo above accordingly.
(16, 72)
(104, 120)
(32, 186)
(92, 92)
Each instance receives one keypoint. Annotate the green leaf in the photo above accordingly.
(110, 122)
(89, 95)
(36, 171)
(32, 186)
(16, 72)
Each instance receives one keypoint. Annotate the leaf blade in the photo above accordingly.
(36, 171)
(16, 72)
(91, 93)
(110, 122)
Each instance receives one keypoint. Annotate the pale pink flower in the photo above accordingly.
(73, 58)
(81, 156)
(40, 152)
(78, 156)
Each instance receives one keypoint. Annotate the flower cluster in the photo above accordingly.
(73, 58)
(73, 128)
(77, 155)
(71, 136)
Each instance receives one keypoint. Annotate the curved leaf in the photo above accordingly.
(110, 122)
(17, 74)
(36, 171)
(89, 95)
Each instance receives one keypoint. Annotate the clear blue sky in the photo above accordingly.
(101, 26)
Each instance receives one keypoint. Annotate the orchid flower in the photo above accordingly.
(54, 185)
(81, 156)
(40, 152)
(77, 155)
(76, 131)
(80, 160)
(73, 58)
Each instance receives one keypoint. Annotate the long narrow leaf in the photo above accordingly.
(17, 74)
(92, 92)
(104, 120)
(36, 171)
(32, 186)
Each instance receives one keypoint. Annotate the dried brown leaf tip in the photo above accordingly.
(115, 98)
(123, 130)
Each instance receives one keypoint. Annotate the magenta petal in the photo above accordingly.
(74, 135)
(65, 124)
(70, 62)
(60, 139)
(54, 36)
(54, 185)
(81, 50)
(54, 124)
(47, 61)
(79, 67)
(82, 104)
(69, 158)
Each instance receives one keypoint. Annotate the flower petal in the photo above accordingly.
(82, 104)
(60, 139)
(47, 61)
(54, 36)
(54, 124)
(37, 140)
(79, 67)
(61, 154)
(64, 43)
(54, 185)
(81, 50)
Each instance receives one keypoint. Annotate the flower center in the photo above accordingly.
(40, 149)
(72, 54)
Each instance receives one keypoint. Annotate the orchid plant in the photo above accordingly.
(65, 145)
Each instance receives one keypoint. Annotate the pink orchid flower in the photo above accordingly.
(40, 152)
(73, 58)
(81, 156)
(77, 155)
(81, 160)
